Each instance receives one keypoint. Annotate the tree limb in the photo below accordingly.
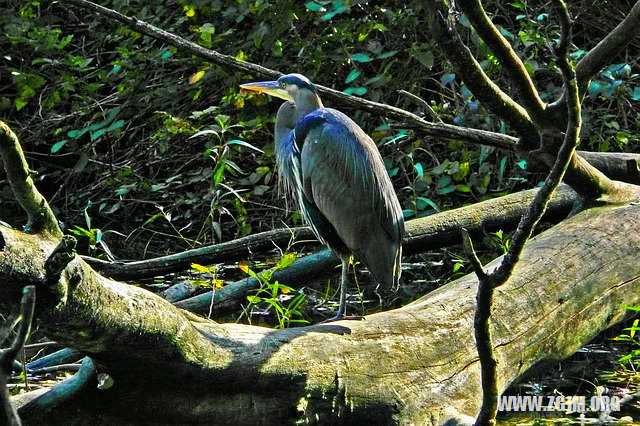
(500, 276)
(414, 364)
(8, 414)
(411, 120)
(596, 59)
(614, 165)
(62, 392)
(599, 56)
(501, 48)
(442, 29)
(41, 217)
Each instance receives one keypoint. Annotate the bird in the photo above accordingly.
(336, 173)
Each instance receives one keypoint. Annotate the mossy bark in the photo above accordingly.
(414, 364)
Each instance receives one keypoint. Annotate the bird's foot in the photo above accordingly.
(341, 317)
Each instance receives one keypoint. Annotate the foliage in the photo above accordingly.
(162, 150)
(277, 297)
(632, 339)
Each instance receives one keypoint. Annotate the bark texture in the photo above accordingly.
(414, 364)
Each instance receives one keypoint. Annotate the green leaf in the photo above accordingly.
(388, 54)
(56, 146)
(419, 169)
(254, 299)
(315, 7)
(522, 164)
(114, 70)
(199, 268)
(285, 261)
(243, 143)
(19, 103)
(115, 125)
(360, 57)
(447, 78)
(355, 91)
(408, 213)
(355, 73)
(95, 135)
(422, 203)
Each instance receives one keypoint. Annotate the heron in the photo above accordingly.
(335, 172)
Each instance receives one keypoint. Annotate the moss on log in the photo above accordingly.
(413, 364)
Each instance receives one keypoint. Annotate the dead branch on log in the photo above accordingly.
(488, 282)
(67, 390)
(8, 414)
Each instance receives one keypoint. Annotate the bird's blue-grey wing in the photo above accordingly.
(344, 177)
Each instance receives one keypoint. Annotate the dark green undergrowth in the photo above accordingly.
(107, 116)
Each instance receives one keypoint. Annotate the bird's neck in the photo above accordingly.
(306, 103)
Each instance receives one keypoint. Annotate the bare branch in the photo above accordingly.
(410, 120)
(597, 58)
(500, 276)
(41, 217)
(423, 103)
(27, 305)
(567, 151)
(500, 47)
(63, 391)
(471, 255)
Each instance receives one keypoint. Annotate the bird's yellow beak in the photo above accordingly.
(271, 88)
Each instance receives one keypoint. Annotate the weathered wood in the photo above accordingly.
(414, 364)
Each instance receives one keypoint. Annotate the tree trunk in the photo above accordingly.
(414, 364)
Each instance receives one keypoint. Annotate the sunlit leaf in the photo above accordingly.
(315, 7)
(595, 88)
(352, 76)
(242, 143)
(194, 78)
(199, 268)
(56, 146)
(355, 91)
(285, 261)
(360, 57)
(419, 169)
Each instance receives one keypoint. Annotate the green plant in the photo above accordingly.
(220, 151)
(500, 241)
(212, 281)
(277, 296)
(631, 338)
(91, 238)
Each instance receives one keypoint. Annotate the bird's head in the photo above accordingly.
(290, 87)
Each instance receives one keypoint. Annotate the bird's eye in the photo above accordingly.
(283, 84)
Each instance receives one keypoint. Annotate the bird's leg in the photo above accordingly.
(342, 308)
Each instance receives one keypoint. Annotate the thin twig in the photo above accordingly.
(434, 115)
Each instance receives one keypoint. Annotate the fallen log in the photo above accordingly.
(414, 364)
(421, 235)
